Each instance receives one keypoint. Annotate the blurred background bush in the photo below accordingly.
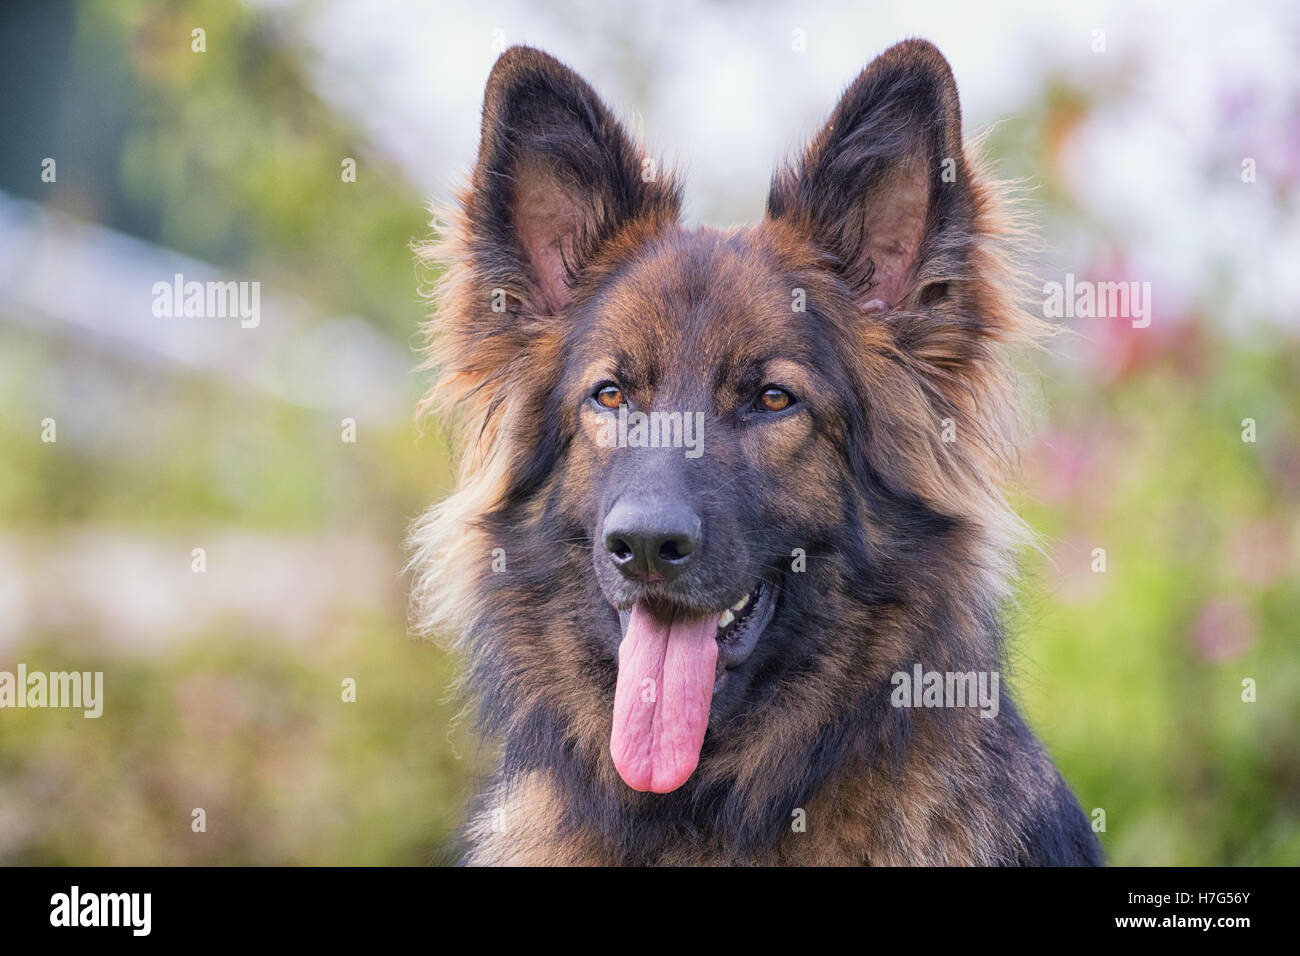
(1130, 127)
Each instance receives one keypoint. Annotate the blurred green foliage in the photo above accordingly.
(1135, 676)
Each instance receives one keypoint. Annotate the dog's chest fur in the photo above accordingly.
(960, 810)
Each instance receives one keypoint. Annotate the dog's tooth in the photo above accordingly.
(740, 605)
(726, 618)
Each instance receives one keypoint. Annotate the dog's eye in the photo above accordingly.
(774, 399)
(609, 395)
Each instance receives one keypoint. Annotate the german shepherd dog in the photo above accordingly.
(729, 517)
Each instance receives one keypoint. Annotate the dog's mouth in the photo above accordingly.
(671, 663)
(738, 630)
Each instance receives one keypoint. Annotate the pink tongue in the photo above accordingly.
(661, 703)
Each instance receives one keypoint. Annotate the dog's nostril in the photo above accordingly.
(672, 550)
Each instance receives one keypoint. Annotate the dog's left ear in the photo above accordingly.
(884, 186)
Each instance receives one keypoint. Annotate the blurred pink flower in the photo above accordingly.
(1072, 577)
(1175, 335)
(1058, 464)
(1238, 105)
(1073, 467)
(1259, 552)
(1284, 468)
(1223, 629)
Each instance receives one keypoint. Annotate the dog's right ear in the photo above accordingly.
(556, 177)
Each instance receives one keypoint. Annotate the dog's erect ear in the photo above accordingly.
(883, 187)
(556, 177)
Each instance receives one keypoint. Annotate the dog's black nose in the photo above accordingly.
(651, 541)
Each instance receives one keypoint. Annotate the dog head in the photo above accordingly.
(714, 482)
